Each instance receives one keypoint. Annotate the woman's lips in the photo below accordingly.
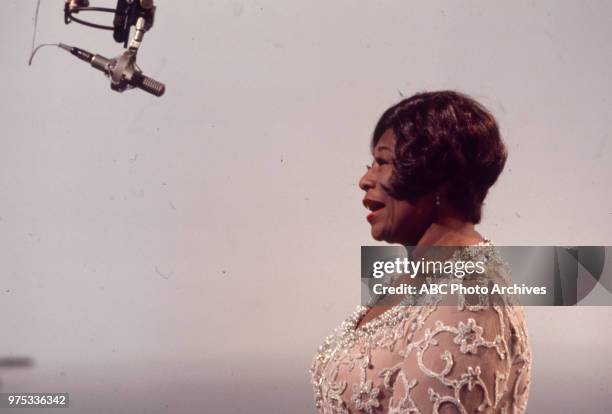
(372, 215)
(374, 206)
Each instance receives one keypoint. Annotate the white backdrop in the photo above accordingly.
(187, 254)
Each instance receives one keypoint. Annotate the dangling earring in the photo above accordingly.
(437, 199)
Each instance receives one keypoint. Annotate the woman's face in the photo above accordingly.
(392, 220)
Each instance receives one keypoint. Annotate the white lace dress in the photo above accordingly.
(428, 358)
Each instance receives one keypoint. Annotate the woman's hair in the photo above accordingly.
(444, 137)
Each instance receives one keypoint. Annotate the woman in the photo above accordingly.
(435, 157)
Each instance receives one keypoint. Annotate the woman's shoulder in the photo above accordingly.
(455, 348)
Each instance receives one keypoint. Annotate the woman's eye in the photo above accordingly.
(381, 161)
(377, 162)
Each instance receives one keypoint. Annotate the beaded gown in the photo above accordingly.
(422, 357)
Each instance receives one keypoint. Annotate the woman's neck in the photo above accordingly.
(449, 231)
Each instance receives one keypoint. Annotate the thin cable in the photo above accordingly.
(32, 51)
(36, 50)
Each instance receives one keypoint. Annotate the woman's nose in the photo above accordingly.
(367, 181)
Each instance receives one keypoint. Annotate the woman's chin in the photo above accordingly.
(382, 236)
(378, 234)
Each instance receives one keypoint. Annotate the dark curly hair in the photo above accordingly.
(444, 136)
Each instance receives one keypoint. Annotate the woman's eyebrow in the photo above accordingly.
(383, 148)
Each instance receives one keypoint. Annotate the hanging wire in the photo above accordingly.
(36, 50)
(32, 50)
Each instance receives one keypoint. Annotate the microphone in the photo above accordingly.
(122, 70)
